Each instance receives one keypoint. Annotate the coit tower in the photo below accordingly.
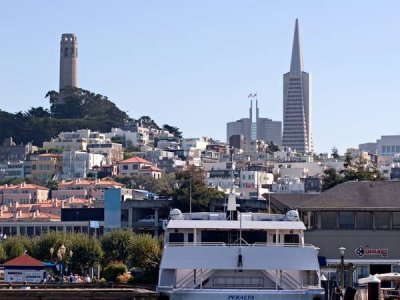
(68, 61)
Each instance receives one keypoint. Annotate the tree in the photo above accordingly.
(335, 154)
(174, 130)
(116, 245)
(146, 254)
(49, 240)
(331, 178)
(3, 256)
(87, 252)
(37, 112)
(148, 122)
(17, 245)
(191, 183)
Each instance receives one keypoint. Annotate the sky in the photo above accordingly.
(192, 64)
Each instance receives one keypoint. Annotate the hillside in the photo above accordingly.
(71, 110)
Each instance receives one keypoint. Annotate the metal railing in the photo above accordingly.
(258, 244)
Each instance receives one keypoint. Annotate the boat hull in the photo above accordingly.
(244, 294)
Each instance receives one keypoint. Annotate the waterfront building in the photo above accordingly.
(297, 101)
(363, 217)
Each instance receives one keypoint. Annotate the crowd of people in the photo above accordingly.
(72, 278)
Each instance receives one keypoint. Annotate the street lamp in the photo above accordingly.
(70, 261)
(51, 253)
(341, 251)
(61, 255)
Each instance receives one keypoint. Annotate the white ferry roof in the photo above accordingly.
(246, 225)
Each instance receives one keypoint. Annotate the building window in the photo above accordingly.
(329, 220)
(396, 220)
(346, 220)
(382, 220)
(364, 220)
(124, 167)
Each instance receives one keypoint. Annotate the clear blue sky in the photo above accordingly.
(192, 63)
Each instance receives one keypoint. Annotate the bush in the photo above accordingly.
(112, 271)
(124, 278)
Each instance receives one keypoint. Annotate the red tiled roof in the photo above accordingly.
(24, 261)
(25, 186)
(90, 182)
(148, 168)
(49, 155)
(136, 159)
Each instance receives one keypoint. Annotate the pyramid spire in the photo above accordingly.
(296, 64)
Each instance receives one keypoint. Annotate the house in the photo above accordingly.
(136, 165)
(23, 193)
(46, 167)
(24, 268)
(83, 188)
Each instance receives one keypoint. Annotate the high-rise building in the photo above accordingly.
(255, 128)
(68, 61)
(297, 101)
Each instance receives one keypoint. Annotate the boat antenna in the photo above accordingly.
(231, 206)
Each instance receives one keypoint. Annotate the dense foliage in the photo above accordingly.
(190, 184)
(355, 169)
(118, 247)
(71, 110)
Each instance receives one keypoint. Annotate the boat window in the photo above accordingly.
(291, 239)
(208, 236)
(346, 220)
(329, 220)
(364, 220)
(190, 237)
(176, 237)
(252, 237)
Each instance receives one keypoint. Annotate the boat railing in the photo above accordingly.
(194, 278)
(258, 244)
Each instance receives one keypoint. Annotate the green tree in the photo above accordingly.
(87, 252)
(335, 153)
(146, 254)
(148, 122)
(191, 182)
(17, 245)
(3, 256)
(174, 130)
(331, 178)
(37, 112)
(51, 240)
(116, 245)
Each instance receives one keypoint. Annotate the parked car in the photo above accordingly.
(147, 219)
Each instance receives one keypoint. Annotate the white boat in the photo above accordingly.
(250, 257)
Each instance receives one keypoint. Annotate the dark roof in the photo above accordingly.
(290, 201)
(24, 261)
(358, 195)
